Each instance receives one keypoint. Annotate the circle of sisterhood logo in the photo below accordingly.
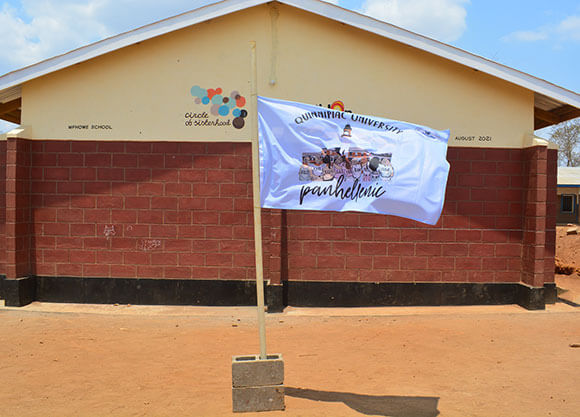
(222, 104)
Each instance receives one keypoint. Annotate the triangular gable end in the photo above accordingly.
(552, 104)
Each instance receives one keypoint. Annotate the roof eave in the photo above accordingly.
(76, 56)
(440, 49)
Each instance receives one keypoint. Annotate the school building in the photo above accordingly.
(129, 178)
(568, 193)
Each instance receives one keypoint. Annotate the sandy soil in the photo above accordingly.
(70, 360)
(64, 360)
(568, 246)
(568, 255)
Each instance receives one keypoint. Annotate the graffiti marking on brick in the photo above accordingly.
(109, 231)
(148, 244)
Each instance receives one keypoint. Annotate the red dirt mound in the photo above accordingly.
(567, 250)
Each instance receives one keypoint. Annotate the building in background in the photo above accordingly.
(129, 178)
(568, 192)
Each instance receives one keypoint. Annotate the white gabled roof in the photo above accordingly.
(322, 8)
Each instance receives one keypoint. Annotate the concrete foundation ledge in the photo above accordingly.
(19, 292)
(531, 298)
(275, 298)
(151, 291)
(550, 293)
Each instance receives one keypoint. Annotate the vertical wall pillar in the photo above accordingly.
(534, 237)
(19, 287)
(275, 288)
(551, 214)
(2, 213)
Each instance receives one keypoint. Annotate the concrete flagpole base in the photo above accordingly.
(257, 384)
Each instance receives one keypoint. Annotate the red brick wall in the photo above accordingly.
(478, 238)
(535, 212)
(551, 214)
(184, 210)
(149, 210)
(2, 207)
(18, 227)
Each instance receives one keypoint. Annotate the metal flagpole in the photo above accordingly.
(257, 206)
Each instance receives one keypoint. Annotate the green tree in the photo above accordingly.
(567, 136)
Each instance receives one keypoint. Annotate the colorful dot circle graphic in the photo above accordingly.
(221, 104)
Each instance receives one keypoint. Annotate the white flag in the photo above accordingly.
(312, 158)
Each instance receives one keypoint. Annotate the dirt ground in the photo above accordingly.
(66, 360)
(568, 247)
(568, 257)
(82, 360)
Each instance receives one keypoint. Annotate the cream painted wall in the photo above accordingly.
(373, 75)
(143, 91)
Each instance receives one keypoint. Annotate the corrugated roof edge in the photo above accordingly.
(318, 7)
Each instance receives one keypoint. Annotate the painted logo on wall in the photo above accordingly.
(220, 105)
(337, 105)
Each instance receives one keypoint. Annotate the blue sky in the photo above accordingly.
(538, 37)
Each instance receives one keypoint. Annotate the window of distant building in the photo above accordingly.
(568, 203)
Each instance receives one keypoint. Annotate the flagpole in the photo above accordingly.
(257, 205)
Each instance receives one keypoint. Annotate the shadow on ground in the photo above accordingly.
(565, 298)
(373, 405)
